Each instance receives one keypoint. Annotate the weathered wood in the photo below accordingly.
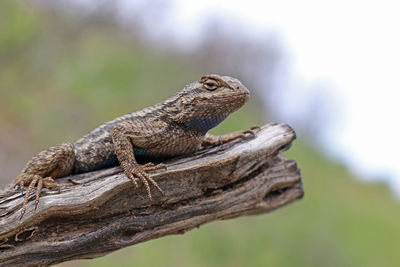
(98, 212)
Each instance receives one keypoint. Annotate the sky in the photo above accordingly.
(353, 47)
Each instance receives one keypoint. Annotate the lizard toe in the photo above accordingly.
(49, 183)
(35, 184)
(149, 167)
(141, 173)
(131, 176)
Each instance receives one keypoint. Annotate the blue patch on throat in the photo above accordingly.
(205, 124)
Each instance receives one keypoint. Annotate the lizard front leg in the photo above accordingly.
(124, 134)
(215, 140)
(41, 170)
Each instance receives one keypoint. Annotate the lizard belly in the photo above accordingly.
(181, 145)
(93, 157)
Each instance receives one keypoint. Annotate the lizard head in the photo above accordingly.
(205, 103)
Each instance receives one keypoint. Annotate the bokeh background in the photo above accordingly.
(327, 68)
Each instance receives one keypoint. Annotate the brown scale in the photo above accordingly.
(166, 129)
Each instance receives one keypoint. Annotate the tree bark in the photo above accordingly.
(98, 212)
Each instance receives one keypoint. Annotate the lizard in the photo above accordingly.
(174, 127)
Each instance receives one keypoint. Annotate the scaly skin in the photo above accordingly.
(177, 126)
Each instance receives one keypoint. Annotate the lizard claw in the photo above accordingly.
(150, 166)
(130, 175)
(140, 172)
(255, 127)
(33, 180)
(252, 131)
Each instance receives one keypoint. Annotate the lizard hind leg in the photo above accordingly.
(39, 172)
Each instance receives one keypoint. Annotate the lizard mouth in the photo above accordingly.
(243, 95)
(231, 103)
(246, 95)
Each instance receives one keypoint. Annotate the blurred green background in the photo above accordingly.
(64, 72)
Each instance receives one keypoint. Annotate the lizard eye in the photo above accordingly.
(210, 85)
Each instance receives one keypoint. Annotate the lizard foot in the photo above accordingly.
(32, 181)
(140, 172)
(252, 131)
(212, 140)
(150, 166)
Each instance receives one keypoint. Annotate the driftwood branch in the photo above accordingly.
(99, 212)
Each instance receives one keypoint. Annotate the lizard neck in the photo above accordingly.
(205, 124)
